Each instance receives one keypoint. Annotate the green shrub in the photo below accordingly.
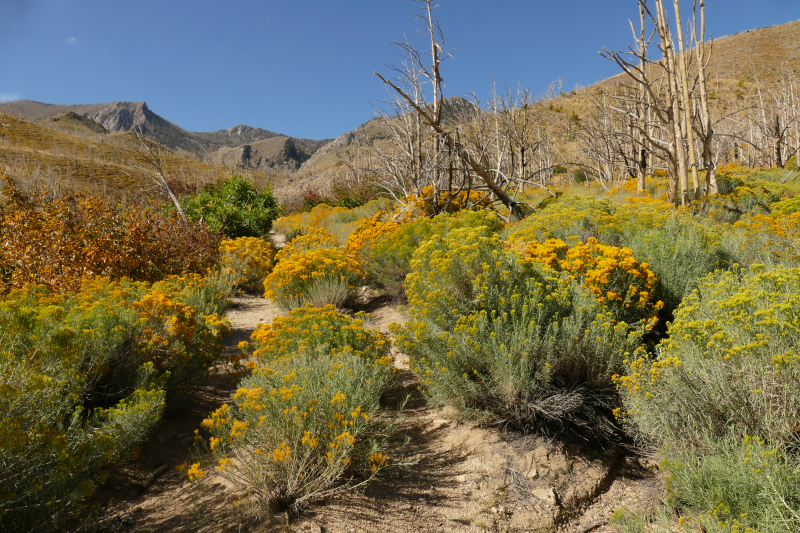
(721, 397)
(233, 207)
(84, 377)
(508, 340)
(305, 422)
(54, 453)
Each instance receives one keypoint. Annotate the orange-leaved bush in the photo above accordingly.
(62, 242)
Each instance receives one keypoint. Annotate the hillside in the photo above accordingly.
(116, 117)
(737, 63)
(70, 153)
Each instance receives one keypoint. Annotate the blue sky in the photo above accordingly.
(305, 67)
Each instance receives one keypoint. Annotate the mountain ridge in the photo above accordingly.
(120, 116)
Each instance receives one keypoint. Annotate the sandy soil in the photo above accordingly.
(455, 476)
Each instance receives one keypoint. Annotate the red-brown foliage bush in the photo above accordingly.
(59, 243)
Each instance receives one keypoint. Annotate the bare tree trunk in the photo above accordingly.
(153, 159)
(708, 130)
(687, 112)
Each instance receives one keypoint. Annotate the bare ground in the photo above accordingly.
(456, 477)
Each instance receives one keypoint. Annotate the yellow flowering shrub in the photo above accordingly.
(339, 221)
(360, 242)
(249, 260)
(510, 340)
(765, 239)
(311, 269)
(304, 422)
(785, 207)
(384, 249)
(430, 202)
(308, 328)
(728, 373)
(84, 377)
(678, 247)
(612, 274)
(314, 239)
(737, 339)
(570, 218)
(319, 277)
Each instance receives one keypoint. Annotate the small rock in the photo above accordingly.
(406, 507)
(127, 520)
(464, 478)
(137, 509)
(187, 441)
(495, 510)
(547, 495)
(501, 509)
(533, 473)
(308, 527)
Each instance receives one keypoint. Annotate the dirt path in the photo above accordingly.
(457, 477)
(171, 503)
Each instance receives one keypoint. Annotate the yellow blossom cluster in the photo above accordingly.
(248, 260)
(120, 344)
(612, 274)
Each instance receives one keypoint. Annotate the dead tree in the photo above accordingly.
(673, 91)
(422, 67)
(149, 155)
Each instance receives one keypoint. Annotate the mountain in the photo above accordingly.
(71, 153)
(118, 117)
(276, 154)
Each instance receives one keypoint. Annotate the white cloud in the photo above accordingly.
(4, 97)
(72, 40)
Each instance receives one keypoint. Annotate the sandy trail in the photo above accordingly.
(456, 477)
